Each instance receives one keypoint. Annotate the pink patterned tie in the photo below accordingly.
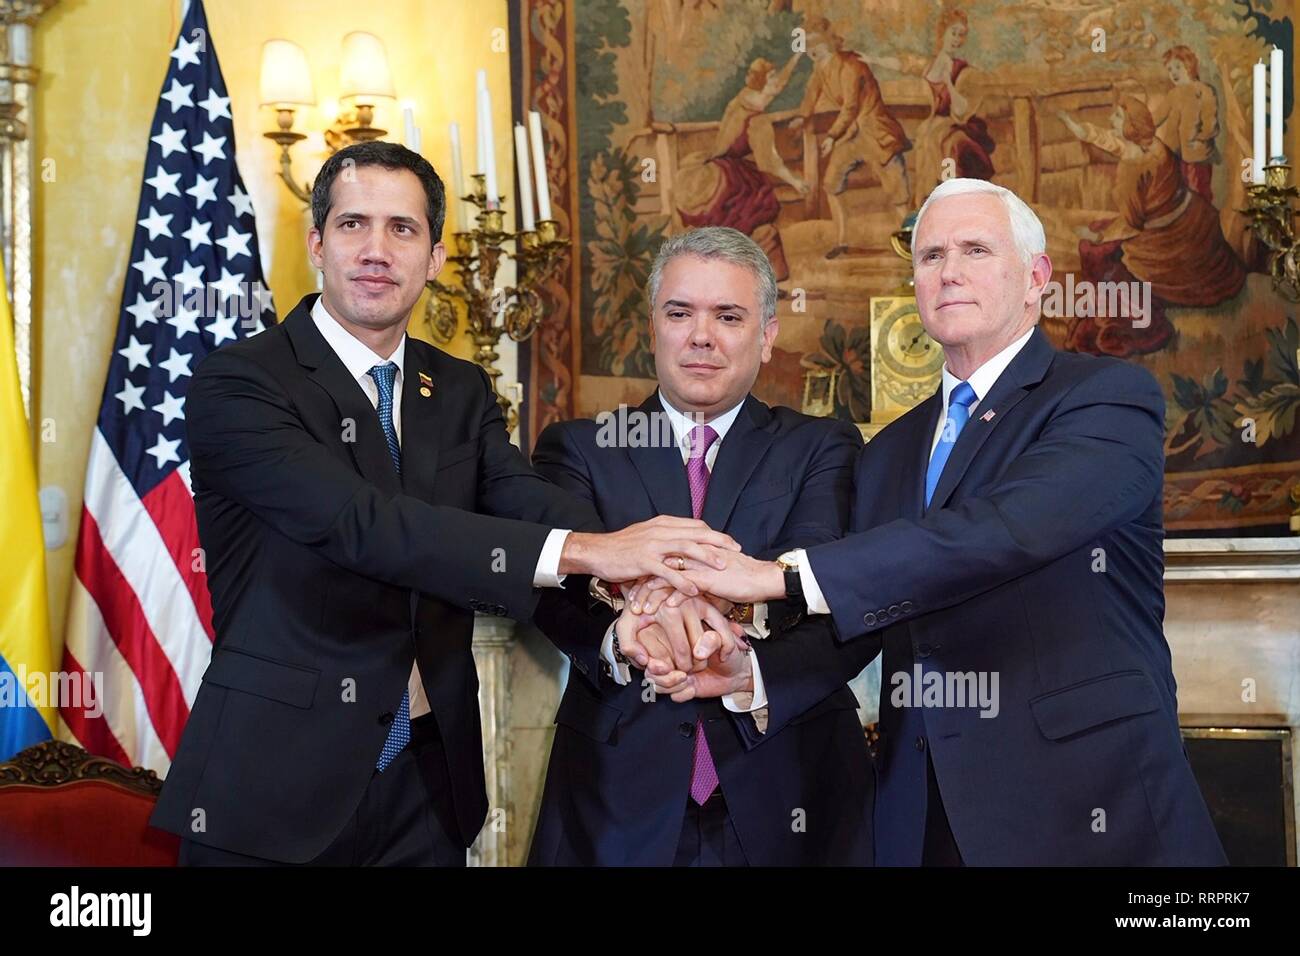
(704, 775)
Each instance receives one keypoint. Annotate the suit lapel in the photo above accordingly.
(422, 402)
(924, 423)
(660, 468)
(1025, 371)
(746, 443)
(358, 424)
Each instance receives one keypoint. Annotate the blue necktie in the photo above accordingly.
(959, 403)
(399, 734)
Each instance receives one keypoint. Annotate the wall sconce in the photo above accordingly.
(286, 85)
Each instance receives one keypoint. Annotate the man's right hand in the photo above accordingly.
(676, 640)
(648, 548)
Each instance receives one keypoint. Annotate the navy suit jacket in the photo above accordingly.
(620, 766)
(331, 573)
(1038, 560)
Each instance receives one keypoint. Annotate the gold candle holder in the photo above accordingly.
(1272, 218)
(492, 311)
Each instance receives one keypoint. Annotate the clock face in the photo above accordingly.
(906, 364)
(905, 348)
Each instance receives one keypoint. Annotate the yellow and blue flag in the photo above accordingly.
(26, 658)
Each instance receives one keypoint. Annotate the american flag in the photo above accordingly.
(139, 613)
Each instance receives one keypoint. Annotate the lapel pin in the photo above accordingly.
(988, 416)
(426, 384)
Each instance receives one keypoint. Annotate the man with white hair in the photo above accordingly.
(1007, 548)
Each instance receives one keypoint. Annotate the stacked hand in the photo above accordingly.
(680, 579)
(687, 650)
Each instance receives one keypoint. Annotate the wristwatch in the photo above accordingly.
(789, 564)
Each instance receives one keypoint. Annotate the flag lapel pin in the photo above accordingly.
(426, 384)
(988, 416)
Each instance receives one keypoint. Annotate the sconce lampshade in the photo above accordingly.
(286, 78)
(364, 70)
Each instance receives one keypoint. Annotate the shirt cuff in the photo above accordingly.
(812, 593)
(736, 702)
(621, 673)
(547, 574)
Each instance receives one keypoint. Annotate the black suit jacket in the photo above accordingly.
(329, 574)
(620, 767)
(1038, 561)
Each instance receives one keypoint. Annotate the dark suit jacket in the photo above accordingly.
(620, 767)
(329, 574)
(1039, 561)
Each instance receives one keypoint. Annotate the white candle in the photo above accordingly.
(480, 164)
(489, 149)
(416, 147)
(1258, 116)
(539, 166)
(1275, 81)
(408, 120)
(525, 179)
(464, 218)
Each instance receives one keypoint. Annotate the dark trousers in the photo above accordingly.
(395, 824)
(940, 848)
(708, 835)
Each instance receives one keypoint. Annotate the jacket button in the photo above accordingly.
(686, 728)
(893, 610)
(920, 743)
(906, 607)
(882, 614)
(385, 718)
(500, 610)
(923, 650)
(869, 619)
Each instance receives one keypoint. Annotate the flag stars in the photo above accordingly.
(190, 276)
(197, 234)
(164, 450)
(241, 201)
(143, 311)
(216, 105)
(151, 267)
(186, 52)
(229, 283)
(164, 183)
(222, 328)
(177, 364)
(170, 408)
(136, 353)
(184, 321)
(211, 149)
(156, 223)
(179, 94)
(170, 140)
(235, 243)
(203, 191)
(130, 397)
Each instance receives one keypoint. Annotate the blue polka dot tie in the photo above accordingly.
(959, 403)
(399, 733)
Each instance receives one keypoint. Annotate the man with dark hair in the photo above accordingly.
(358, 498)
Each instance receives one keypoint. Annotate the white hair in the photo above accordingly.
(1026, 228)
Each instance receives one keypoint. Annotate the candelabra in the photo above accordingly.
(1272, 217)
(491, 310)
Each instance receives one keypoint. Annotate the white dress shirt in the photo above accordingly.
(981, 381)
(682, 424)
(358, 359)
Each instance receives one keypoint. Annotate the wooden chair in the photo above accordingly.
(61, 806)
